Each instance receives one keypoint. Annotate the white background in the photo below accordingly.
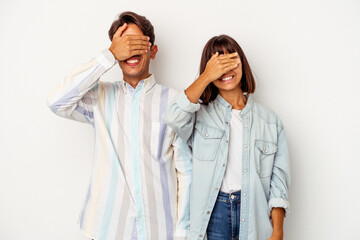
(306, 59)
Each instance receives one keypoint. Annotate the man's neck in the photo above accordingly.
(133, 81)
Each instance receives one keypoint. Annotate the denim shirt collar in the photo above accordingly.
(249, 104)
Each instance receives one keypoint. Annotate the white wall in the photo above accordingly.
(306, 58)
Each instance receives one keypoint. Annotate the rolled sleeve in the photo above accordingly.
(280, 179)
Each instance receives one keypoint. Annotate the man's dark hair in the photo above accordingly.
(140, 21)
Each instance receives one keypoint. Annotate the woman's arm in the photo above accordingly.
(277, 216)
(215, 68)
(180, 115)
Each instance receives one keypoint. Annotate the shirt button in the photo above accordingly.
(245, 146)
(200, 235)
(266, 151)
(246, 126)
(245, 170)
(244, 194)
(229, 106)
(243, 219)
(206, 135)
(224, 165)
(208, 212)
(227, 123)
(216, 188)
(227, 141)
(241, 113)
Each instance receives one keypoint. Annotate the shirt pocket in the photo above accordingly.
(264, 157)
(206, 142)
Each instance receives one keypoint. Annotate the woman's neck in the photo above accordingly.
(235, 97)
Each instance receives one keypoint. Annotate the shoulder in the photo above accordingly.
(266, 114)
(170, 92)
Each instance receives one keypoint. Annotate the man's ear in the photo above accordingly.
(154, 50)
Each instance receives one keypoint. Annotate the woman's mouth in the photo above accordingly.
(227, 78)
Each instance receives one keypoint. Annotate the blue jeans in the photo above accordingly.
(224, 222)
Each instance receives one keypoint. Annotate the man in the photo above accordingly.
(141, 176)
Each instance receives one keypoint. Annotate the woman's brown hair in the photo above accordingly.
(140, 21)
(219, 44)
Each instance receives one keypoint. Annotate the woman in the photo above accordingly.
(241, 169)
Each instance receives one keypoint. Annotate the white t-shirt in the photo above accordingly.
(232, 177)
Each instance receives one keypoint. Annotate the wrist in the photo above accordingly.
(205, 78)
(278, 232)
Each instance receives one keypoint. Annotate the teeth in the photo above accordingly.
(133, 61)
(227, 78)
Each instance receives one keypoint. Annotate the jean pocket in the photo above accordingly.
(264, 157)
(206, 142)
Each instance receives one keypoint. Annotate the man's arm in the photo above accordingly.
(76, 95)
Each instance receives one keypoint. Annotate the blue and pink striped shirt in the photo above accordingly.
(141, 176)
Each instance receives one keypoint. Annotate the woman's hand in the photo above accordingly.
(218, 65)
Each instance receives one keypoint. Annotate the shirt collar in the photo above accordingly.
(146, 83)
(249, 103)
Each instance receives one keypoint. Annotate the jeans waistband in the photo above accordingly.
(231, 197)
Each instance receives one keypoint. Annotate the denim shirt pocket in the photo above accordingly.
(206, 142)
(264, 157)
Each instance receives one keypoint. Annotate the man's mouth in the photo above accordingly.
(227, 78)
(133, 61)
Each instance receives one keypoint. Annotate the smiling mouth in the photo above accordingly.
(133, 61)
(227, 78)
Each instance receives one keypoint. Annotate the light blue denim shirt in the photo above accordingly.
(265, 162)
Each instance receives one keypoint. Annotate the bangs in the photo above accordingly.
(221, 45)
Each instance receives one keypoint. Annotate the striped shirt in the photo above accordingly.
(141, 175)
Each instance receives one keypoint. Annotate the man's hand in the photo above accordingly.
(124, 47)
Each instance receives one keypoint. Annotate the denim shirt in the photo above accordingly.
(265, 162)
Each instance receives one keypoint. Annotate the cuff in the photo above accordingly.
(106, 59)
(184, 103)
(279, 203)
(181, 234)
